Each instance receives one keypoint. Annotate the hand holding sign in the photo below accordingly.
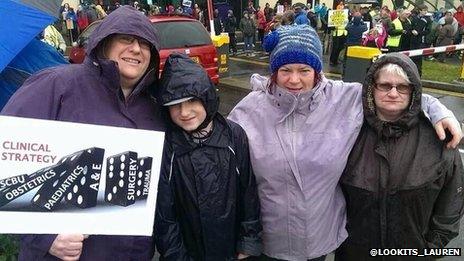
(67, 247)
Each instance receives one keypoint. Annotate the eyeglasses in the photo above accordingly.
(129, 39)
(386, 87)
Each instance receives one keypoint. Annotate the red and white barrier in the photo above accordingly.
(429, 51)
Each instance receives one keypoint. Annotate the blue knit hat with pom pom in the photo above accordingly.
(294, 44)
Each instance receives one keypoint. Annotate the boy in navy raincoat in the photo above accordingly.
(208, 207)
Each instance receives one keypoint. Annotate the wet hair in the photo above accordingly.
(272, 82)
(278, 18)
(393, 69)
(288, 17)
(101, 49)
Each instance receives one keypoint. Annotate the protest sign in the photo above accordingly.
(338, 18)
(62, 177)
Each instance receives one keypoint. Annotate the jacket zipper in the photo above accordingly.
(383, 195)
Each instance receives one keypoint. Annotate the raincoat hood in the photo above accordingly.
(357, 20)
(183, 78)
(410, 116)
(124, 20)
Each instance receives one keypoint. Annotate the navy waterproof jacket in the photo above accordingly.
(355, 30)
(90, 93)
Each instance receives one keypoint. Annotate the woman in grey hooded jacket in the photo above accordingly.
(403, 188)
(301, 128)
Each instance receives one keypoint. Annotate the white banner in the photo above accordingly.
(61, 177)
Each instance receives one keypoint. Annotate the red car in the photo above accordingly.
(176, 34)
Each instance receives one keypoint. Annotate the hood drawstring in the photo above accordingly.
(170, 167)
(233, 152)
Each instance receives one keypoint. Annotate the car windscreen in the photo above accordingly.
(181, 34)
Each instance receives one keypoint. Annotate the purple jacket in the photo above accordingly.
(90, 93)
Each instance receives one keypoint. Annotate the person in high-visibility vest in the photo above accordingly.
(395, 32)
(338, 42)
(405, 42)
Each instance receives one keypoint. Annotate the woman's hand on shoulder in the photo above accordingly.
(453, 127)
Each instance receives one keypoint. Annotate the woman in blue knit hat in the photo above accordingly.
(301, 128)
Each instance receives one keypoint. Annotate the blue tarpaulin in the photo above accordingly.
(36, 56)
(20, 56)
(19, 23)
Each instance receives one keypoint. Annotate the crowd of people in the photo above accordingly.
(303, 166)
(72, 22)
(389, 30)
(400, 30)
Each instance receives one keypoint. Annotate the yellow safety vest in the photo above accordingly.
(339, 31)
(394, 41)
